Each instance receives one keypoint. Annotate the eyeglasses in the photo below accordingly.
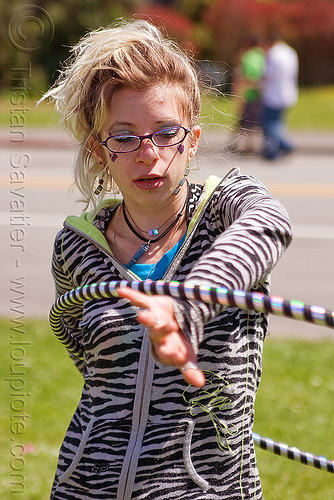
(126, 143)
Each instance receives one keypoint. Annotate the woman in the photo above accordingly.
(168, 398)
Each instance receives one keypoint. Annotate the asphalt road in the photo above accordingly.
(35, 198)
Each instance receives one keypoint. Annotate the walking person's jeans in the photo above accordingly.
(275, 142)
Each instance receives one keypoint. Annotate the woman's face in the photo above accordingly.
(150, 174)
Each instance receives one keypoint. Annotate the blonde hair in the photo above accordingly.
(132, 54)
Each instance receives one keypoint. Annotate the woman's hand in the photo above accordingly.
(169, 343)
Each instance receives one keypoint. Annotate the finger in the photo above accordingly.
(139, 299)
(192, 374)
(136, 298)
(155, 311)
(189, 370)
(157, 320)
(148, 318)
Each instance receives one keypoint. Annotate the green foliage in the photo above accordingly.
(63, 25)
(294, 405)
(213, 30)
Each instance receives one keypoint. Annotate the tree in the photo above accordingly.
(305, 24)
(210, 29)
(70, 19)
(177, 25)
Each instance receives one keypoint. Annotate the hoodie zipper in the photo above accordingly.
(145, 368)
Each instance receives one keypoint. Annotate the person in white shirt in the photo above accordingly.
(279, 93)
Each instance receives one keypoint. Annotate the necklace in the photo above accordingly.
(150, 232)
(144, 247)
(160, 236)
(167, 248)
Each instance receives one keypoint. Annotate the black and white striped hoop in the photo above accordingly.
(233, 298)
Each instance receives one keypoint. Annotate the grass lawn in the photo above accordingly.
(314, 111)
(294, 405)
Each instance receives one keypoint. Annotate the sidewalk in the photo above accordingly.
(313, 142)
(52, 138)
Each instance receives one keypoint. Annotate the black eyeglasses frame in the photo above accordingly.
(143, 137)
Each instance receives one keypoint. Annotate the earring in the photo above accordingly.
(186, 173)
(100, 186)
(101, 180)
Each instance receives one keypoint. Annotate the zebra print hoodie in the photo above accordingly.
(139, 431)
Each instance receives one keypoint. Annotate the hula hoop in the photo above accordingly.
(293, 453)
(233, 298)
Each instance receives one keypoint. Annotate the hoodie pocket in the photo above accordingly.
(98, 460)
(76, 459)
(202, 483)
